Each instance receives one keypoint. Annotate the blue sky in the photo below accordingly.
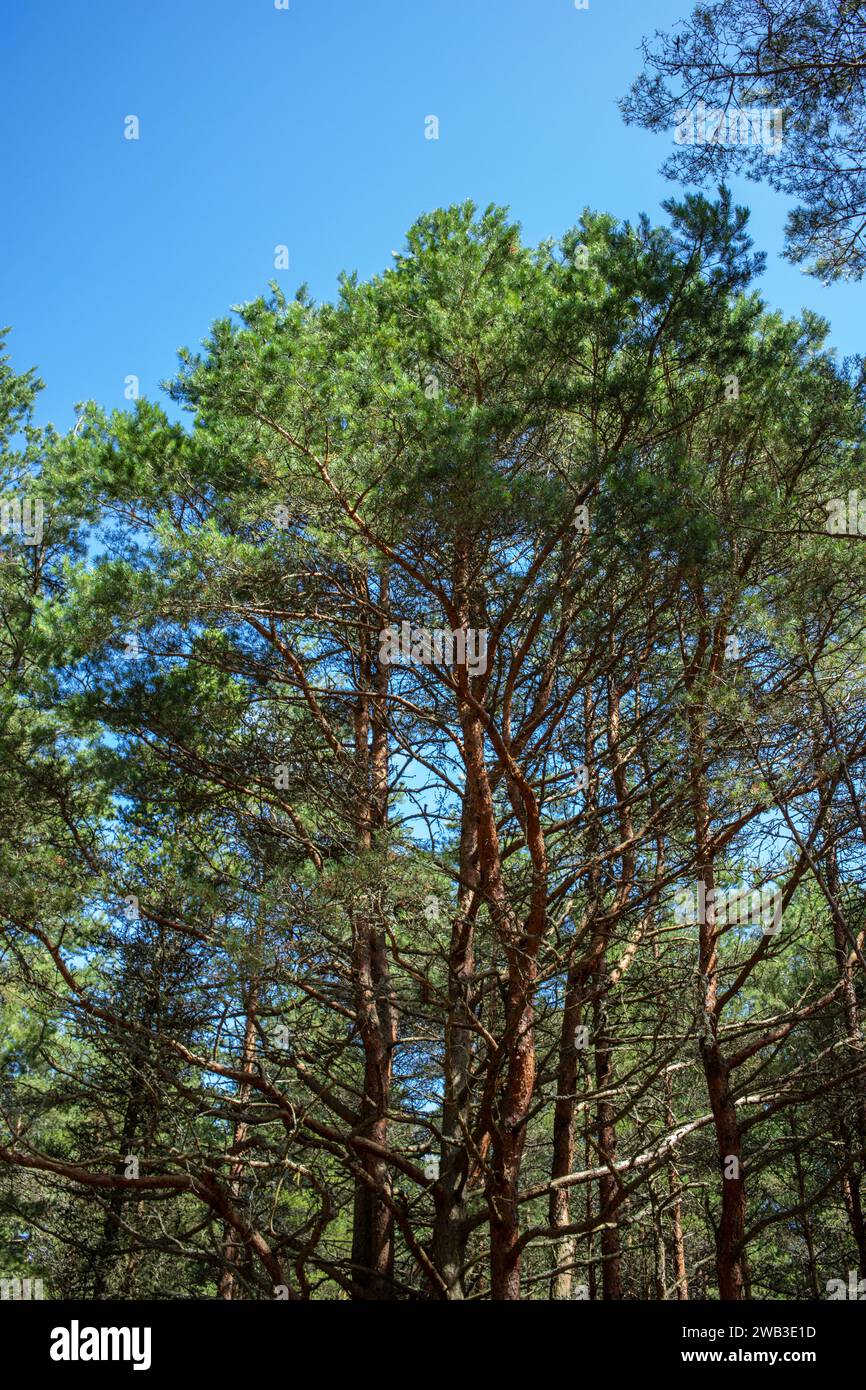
(303, 127)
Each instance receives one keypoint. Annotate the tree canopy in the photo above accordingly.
(432, 784)
(805, 59)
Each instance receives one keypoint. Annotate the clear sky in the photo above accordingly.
(302, 127)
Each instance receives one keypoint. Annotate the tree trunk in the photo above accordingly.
(608, 1188)
(372, 1228)
(231, 1248)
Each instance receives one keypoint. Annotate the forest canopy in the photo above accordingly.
(433, 754)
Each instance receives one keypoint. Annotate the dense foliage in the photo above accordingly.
(327, 976)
